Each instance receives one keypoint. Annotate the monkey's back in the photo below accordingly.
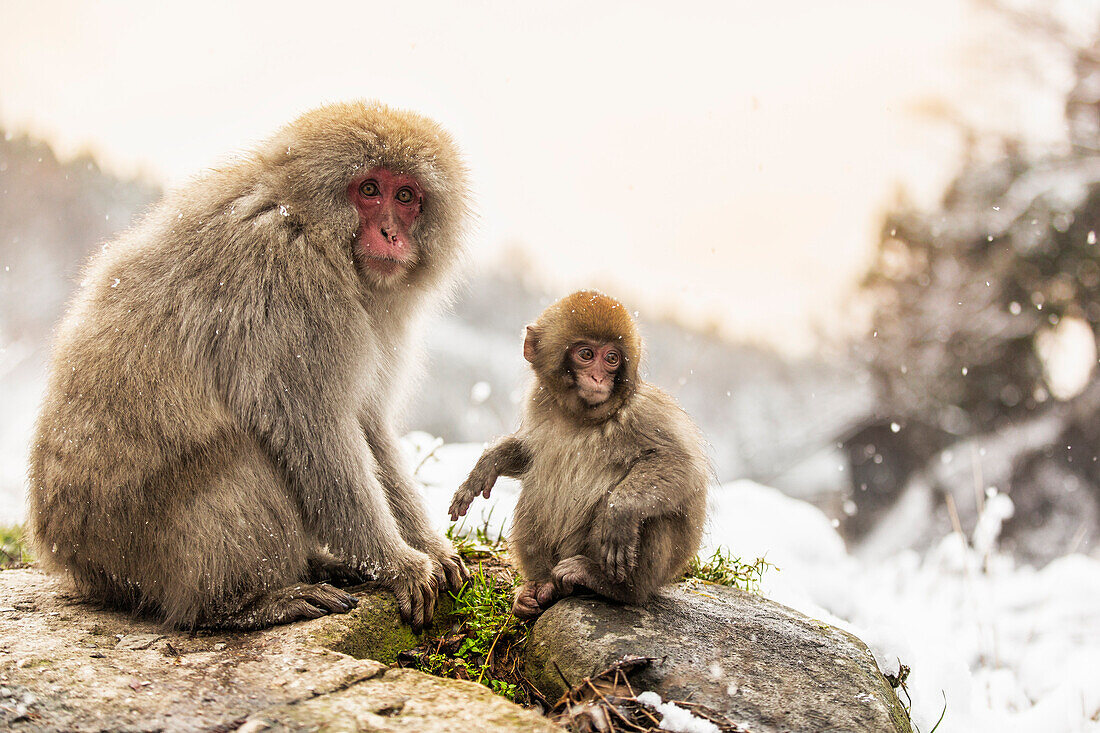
(221, 368)
(136, 400)
(123, 402)
(573, 471)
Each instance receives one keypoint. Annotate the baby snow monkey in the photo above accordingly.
(614, 473)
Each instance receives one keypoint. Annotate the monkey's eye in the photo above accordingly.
(612, 358)
(369, 188)
(586, 354)
(405, 195)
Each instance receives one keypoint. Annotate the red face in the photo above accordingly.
(388, 204)
(595, 364)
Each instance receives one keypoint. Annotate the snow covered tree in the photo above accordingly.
(986, 318)
(974, 301)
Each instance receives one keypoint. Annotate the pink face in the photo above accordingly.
(388, 204)
(595, 363)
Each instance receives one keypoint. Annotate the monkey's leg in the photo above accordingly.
(324, 568)
(333, 481)
(284, 605)
(584, 572)
(231, 551)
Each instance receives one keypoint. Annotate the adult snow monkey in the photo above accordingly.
(217, 440)
(614, 473)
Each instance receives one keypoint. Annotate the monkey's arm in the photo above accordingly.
(340, 499)
(407, 505)
(660, 482)
(509, 457)
(301, 418)
(344, 506)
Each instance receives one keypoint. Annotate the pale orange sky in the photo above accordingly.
(726, 161)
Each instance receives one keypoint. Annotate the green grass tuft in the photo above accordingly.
(484, 605)
(723, 568)
(478, 544)
(943, 713)
(485, 641)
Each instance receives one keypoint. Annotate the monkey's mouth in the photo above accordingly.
(385, 265)
(594, 397)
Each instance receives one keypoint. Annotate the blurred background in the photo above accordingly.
(860, 239)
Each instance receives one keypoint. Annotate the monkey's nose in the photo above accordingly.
(388, 236)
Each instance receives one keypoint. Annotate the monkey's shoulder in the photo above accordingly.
(555, 440)
(650, 421)
(653, 418)
(571, 458)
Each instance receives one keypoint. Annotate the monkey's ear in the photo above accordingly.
(531, 344)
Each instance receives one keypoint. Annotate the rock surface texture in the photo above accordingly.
(69, 666)
(766, 667)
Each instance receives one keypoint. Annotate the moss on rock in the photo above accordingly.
(374, 630)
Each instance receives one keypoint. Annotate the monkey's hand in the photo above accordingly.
(619, 544)
(415, 583)
(478, 482)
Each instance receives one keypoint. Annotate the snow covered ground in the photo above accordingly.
(1008, 648)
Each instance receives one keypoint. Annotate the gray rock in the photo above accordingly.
(406, 700)
(763, 665)
(69, 666)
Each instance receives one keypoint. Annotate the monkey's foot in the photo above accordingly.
(532, 598)
(324, 568)
(293, 603)
(574, 572)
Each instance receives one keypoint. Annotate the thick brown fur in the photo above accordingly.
(584, 314)
(614, 497)
(220, 411)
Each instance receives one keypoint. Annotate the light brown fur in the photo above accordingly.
(614, 496)
(220, 405)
